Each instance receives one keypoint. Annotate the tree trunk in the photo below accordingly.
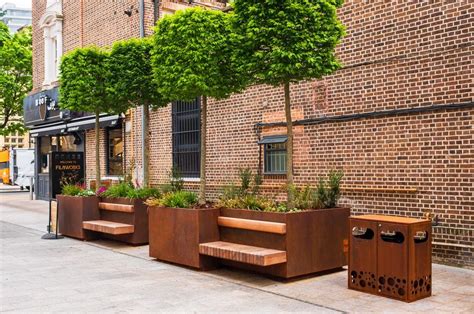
(202, 186)
(97, 154)
(146, 145)
(289, 148)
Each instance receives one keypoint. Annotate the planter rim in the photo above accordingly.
(83, 196)
(288, 213)
(123, 198)
(180, 208)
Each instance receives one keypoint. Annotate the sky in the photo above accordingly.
(19, 3)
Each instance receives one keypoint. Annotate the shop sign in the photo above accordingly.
(66, 168)
(41, 107)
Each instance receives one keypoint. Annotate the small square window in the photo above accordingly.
(274, 154)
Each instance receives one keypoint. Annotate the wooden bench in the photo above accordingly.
(254, 225)
(243, 253)
(109, 227)
(116, 207)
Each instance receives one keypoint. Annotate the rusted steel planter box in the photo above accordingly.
(73, 211)
(390, 256)
(315, 240)
(139, 219)
(175, 235)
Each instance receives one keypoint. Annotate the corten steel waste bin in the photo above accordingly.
(390, 256)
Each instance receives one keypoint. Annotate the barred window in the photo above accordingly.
(186, 133)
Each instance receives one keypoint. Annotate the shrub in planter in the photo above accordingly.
(76, 205)
(316, 233)
(177, 227)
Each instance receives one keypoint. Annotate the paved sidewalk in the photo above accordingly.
(70, 275)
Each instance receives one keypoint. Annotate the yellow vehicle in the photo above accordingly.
(5, 166)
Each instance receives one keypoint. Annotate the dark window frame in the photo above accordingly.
(272, 145)
(186, 137)
(107, 147)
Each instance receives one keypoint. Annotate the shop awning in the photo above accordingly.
(89, 123)
(74, 125)
(273, 139)
(48, 130)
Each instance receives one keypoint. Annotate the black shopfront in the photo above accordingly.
(55, 130)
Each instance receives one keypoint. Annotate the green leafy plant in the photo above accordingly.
(118, 190)
(246, 196)
(321, 194)
(284, 42)
(15, 77)
(126, 190)
(257, 182)
(246, 176)
(248, 201)
(143, 193)
(326, 194)
(87, 192)
(333, 189)
(193, 57)
(177, 199)
(305, 198)
(176, 180)
(71, 190)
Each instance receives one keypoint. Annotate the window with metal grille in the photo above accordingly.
(274, 154)
(186, 132)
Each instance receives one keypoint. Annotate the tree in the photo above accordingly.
(131, 83)
(193, 57)
(288, 41)
(83, 88)
(15, 77)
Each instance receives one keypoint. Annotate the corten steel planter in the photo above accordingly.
(315, 240)
(175, 235)
(139, 219)
(390, 256)
(72, 211)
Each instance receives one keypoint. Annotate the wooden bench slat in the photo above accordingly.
(243, 253)
(109, 227)
(116, 207)
(255, 225)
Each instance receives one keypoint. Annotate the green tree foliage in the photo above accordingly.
(287, 41)
(15, 76)
(131, 84)
(83, 79)
(193, 57)
(130, 80)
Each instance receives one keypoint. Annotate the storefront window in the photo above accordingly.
(70, 143)
(45, 148)
(115, 151)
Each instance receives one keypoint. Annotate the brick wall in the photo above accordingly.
(396, 55)
(38, 9)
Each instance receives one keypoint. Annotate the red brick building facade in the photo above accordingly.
(397, 118)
